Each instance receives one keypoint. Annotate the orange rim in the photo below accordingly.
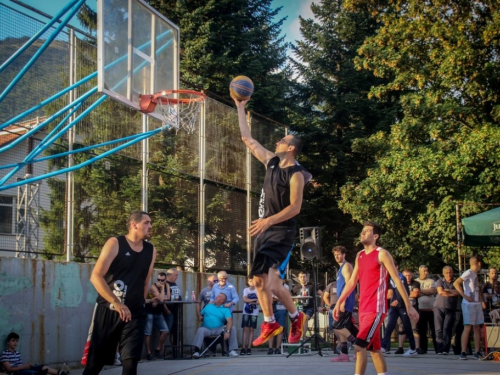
(163, 97)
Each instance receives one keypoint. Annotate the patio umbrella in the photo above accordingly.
(482, 229)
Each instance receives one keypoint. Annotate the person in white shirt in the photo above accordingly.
(250, 316)
(467, 286)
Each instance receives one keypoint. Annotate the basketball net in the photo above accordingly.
(178, 108)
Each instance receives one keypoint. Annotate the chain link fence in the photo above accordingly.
(200, 212)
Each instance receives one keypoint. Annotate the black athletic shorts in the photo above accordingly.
(346, 320)
(272, 249)
(110, 332)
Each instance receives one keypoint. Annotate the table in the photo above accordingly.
(179, 353)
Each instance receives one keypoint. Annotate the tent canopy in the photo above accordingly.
(482, 229)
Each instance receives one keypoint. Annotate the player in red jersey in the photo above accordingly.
(373, 267)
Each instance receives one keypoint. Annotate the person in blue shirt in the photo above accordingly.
(229, 290)
(216, 319)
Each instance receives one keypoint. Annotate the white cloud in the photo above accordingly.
(304, 10)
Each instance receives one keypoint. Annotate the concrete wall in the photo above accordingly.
(49, 304)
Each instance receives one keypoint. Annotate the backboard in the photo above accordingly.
(138, 51)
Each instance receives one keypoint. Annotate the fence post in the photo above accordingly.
(201, 166)
(249, 198)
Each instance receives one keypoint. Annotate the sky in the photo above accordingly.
(291, 9)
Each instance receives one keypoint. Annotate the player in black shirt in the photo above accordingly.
(120, 277)
(280, 203)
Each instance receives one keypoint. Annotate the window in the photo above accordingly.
(7, 210)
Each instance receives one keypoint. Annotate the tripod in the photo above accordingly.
(316, 336)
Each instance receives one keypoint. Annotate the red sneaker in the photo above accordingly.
(297, 328)
(267, 330)
(340, 358)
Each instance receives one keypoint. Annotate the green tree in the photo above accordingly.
(335, 111)
(225, 38)
(442, 57)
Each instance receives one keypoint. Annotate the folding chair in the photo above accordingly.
(216, 340)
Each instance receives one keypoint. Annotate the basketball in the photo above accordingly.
(241, 88)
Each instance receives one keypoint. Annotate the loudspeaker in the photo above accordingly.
(310, 243)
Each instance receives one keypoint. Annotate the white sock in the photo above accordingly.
(381, 373)
(294, 315)
(269, 319)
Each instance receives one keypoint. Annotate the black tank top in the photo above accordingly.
(275, 194)
(127, 274)
(156, 310)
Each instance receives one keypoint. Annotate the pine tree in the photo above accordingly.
(335, 112)
(225, 38)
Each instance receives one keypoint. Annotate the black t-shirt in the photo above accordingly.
(414, 285)
(299, 290)
(175, 295)
(127, 275)
(275, 194)
(487, 285)
(396, 295)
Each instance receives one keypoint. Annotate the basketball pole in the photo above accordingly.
(144, 174)
(70, 180)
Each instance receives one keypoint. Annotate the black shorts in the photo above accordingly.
(272, 250)
(346, 320)
(109, 331)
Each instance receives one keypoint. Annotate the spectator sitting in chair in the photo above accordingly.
(216, 318)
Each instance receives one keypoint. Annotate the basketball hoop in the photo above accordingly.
(178, 108)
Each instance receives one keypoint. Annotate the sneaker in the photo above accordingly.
(249, 351)
(233, 353)
(340, 358)
(478, 355)
(157, 354)
(277, 351)
(445, 353)
(385, 351)
(267, 330)
(296, 328)
(420, 351)
(400, 350)
(196, 355)
(64, 369)
(270, 351)
(243, 351)
(463, 356)
(410, 352)
(149, 357)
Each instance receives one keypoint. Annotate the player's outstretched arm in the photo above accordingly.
(261, 153)
(386, 259)
(150, 274)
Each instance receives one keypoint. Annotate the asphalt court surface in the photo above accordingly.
(259, 363)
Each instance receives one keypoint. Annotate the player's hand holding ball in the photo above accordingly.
(241, 89)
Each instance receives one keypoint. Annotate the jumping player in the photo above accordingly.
(280, 203)
(121, 276)
(372, 269)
